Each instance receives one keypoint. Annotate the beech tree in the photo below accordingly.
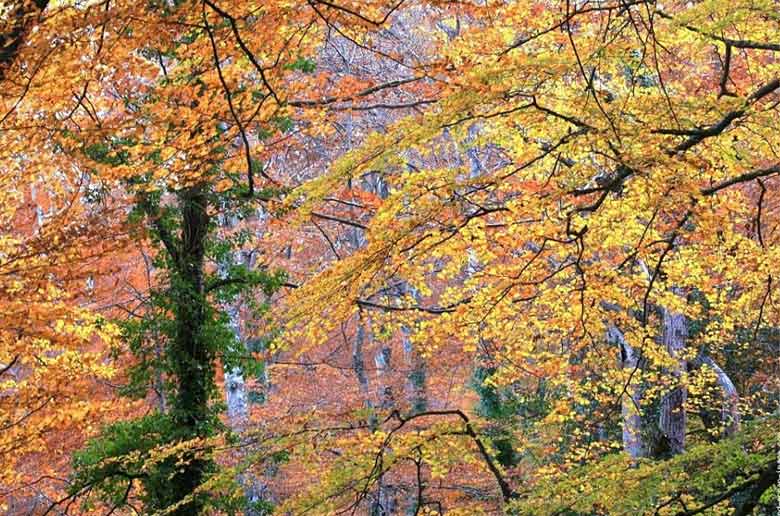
(175, 118)
(50, 248)
(626, 203)
(388, 257)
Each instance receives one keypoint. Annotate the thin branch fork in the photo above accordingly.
(356, 14)
(248, 53)
(507, 493)
(233, 113)
(696, 136)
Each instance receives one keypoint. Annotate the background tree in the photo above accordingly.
(629, 186)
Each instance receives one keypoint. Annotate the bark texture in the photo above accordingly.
(191, 356)
(631, 408)
(672, 419)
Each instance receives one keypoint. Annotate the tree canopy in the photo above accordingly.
(389, 257)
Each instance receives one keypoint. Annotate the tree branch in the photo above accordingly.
(742, 178)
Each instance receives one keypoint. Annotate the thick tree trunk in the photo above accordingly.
(633, 441)
(195, 358)
(191, 356)
(643, 437)
(672, 419)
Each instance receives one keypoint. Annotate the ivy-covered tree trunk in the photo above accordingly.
(191, 355)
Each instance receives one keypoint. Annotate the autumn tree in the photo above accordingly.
(53, 376)
(175, 118)
(617, 246)
(562, 214)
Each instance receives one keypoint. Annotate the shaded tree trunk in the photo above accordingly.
(191, 356)
(359, 367)
(672, 419)
(729, 411)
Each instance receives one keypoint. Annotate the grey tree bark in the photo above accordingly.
(384, 501)
(236, 397)
(359, 367)
(631, 402)
(672, 420)
(643, 436)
